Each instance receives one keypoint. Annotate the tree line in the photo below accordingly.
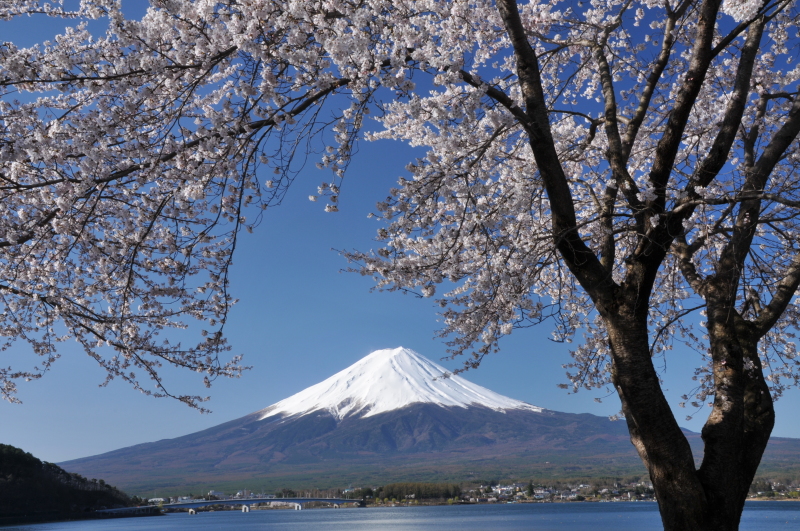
(29, 486)
(420, 491)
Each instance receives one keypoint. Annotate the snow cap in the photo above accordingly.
(386, 380)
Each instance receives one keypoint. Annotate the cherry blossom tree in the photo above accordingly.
(616, 167)
(613, 167)
(129, 164)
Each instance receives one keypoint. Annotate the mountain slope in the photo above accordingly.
(389, 417)
(403, 444)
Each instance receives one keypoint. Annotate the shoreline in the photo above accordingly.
(461, 504)
(46, 518)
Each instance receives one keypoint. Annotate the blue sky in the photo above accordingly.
(299, 320)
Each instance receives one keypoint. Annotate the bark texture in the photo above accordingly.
(712, 496)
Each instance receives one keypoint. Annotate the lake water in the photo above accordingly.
(621, 516)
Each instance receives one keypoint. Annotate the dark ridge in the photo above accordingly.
(33, 490)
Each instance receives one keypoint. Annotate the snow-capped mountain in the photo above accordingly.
(391, 416)
(386, 380)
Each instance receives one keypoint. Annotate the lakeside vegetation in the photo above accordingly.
(325, 483)
(631, 488)
(419, 491)
(35, 490)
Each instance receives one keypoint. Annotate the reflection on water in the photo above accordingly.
(758, 516)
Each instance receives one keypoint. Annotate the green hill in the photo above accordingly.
(33, 490)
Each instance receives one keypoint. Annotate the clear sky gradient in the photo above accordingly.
(299, 320)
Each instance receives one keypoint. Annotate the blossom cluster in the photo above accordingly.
(472, 225)
(130, 161)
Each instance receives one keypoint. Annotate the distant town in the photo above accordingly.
(440, 493)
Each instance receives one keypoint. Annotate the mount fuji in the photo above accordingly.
(387, 380)
(392, 416)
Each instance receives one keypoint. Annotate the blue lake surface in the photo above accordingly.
(621, 516)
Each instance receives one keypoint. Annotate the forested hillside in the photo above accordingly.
(32, 488)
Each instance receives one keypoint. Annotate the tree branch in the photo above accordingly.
(652, 80)
(784, 292)
(580, 258)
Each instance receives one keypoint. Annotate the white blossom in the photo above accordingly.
(128, 157)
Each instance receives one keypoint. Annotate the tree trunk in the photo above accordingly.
(735, 435)
(654, 432)
(737, 430)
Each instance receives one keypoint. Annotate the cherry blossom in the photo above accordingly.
(619, 169)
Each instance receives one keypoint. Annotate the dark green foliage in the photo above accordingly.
(30, 487)
(362, 493)
(760, 485)
(421, 491)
